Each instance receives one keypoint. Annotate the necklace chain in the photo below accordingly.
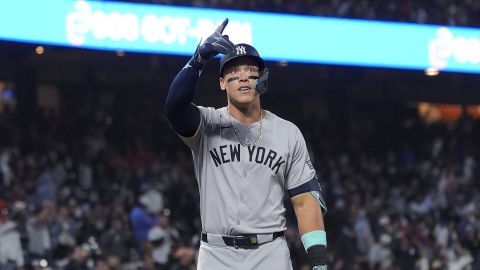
(235, 130)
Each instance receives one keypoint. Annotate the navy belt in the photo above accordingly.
(240, 241)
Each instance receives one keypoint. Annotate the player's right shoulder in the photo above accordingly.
(207, 110)
(211, 115)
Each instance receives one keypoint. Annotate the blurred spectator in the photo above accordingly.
(78, 258)
(5, 169)
(39, 239)
(144, 216)
(63, 233)
(115, 241)
(380, 255)
(184, 259)
(471, 241)
(363, 233)
(160, 239)
(11, 254)
(135, 262)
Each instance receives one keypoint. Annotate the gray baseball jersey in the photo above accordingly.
(242, 187)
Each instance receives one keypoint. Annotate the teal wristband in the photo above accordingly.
(314, 238)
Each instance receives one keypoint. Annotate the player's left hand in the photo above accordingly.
(317, 255)
(261, 84)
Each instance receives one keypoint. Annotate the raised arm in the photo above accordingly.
(182, 114)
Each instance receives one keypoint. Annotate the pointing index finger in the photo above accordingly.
(222, 26)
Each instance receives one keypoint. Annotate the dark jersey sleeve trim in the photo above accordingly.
(311, 185)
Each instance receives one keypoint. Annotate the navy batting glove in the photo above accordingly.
(318, 257)
(216, 43)
(262, 83)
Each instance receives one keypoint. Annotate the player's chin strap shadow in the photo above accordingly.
(261, 85)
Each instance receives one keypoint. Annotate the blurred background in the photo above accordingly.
(92, 176)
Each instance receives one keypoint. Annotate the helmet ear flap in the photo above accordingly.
(261, 85)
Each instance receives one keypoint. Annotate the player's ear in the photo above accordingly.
(222, 84)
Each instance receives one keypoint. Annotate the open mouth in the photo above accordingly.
(244, 89)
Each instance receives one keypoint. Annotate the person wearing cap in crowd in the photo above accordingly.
(144, 216)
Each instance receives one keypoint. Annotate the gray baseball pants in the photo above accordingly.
(271, 255)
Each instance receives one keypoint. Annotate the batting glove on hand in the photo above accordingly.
(318, 257)
(216, 43)
(262, 83)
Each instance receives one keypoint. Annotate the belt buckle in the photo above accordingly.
(252, 240)
(235, 240)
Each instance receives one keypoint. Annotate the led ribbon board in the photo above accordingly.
(164, 29)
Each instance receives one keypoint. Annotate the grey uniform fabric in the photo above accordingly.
(242, 187)
(272, 255)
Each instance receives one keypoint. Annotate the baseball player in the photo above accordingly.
(246, 160)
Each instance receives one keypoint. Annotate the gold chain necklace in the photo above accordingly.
(235, 130)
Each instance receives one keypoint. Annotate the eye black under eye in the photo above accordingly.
(233, 79)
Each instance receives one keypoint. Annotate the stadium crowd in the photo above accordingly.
(445, 12)
(107, 185)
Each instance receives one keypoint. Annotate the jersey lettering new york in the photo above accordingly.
(258, 154)
(242, 187)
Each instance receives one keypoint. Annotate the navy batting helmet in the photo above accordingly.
(241, 50)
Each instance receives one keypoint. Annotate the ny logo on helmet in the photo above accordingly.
(241, 50)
